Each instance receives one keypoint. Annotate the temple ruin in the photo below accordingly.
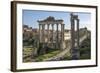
(55, 38)
(52, 38)
(74, 36)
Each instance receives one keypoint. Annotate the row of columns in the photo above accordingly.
(42, 33)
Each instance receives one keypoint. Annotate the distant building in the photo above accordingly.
(29, 32)
(67, 34)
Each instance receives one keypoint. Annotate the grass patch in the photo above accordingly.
(46, 56)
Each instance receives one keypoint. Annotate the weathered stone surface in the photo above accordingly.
(49, 37)
(74, 50)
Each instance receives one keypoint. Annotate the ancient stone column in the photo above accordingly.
(39, 32)
(74, 40)
(72, 34)
(76, 44)
(77, 38)
(63, 32)
(62, 36)
(78, 33)
(57, 32)
(43, 28)
(52, 35)
(48, 31)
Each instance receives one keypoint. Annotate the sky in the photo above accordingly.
(30, 18)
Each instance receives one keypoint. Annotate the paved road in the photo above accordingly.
(61, 54)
